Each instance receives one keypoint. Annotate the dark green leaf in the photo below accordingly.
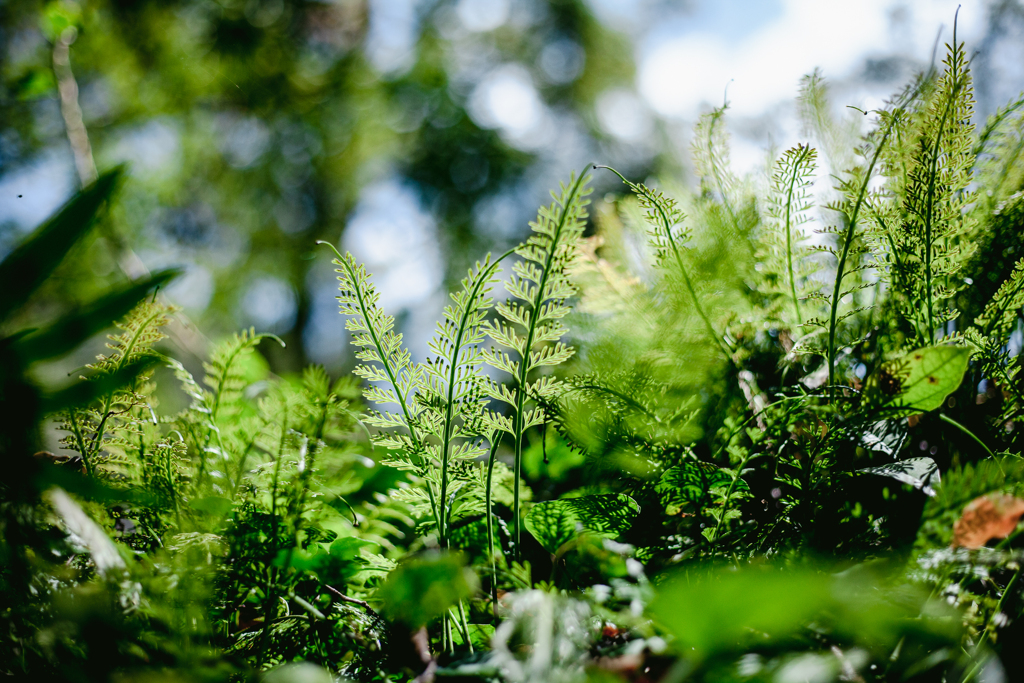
(556, 522)
(689, 485)
(608, 514)
(70, 331)
(552, 523)
(33, 260)
(80, 393)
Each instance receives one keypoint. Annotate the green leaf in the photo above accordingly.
(33, 260)
(607, 514)
(348, 548)
(71, 330)
(918, 382)
(213, 505)
(921, 473)
(421, 590)
(552, 523)
(555, 522)
(688, 485)
(730, 610)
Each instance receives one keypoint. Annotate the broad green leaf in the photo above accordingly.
(606, 514)
(71, 330)
(213, 505)
(689, 484)
(552, 523)
(555, 522)
(918, 382)
(921, 473)
(421, 590)
(33, 260)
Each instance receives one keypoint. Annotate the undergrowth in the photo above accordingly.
(735, 433)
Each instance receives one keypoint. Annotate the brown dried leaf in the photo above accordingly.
(985, 518)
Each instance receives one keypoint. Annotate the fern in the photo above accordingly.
(854, 188)
(531, 324)
(787, 270)
(385, 360)
(928, 231)
(454, 376)
(441, 401)
(711, 158)
(668, 235)
(998, 153)
(220, 403)
(106, 434)
(836, 137)
(990, 334)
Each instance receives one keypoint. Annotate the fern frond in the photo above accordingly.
(374, 334)
(930, 170)
(454, 374)
(141, 329)
(541, 284)
(998, 152)
(225, 371)
(667, 237)
(711, 157)
(835, 137)
(854, 187)
(108, 433)
(786, 266)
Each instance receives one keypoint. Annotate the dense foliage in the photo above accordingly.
(685, 438)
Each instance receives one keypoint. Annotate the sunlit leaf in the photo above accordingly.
(918, 382)
(688, 484)
(556, 522)
(921, 473)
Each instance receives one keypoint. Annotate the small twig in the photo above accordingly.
(344, 598)
(421, 641)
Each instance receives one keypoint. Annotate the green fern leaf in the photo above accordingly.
(787, 270)
(539, 286)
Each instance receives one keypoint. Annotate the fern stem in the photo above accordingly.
(947, 419)
(488, 504)
(524, 367)
(465, 627)
(76, 431)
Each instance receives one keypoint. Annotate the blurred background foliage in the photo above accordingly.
(423, 133)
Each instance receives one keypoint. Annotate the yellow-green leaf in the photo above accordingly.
(918, 382)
